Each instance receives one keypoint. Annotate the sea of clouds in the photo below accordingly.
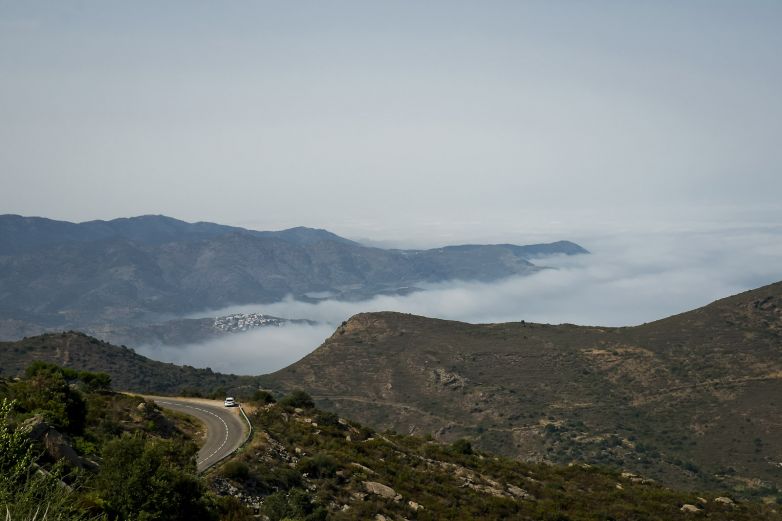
(624, 281)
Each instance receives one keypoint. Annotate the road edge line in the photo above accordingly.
(241, 445)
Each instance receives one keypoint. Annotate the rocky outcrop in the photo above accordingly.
(56, 445)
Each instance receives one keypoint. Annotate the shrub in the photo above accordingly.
(296, 504)
(23, 491)
(462, 446)
(46, 390)
(95, 381)
(15, 454)
(236, 470)
(298, 398)
(319, 466)
(144, 479)
(262, 397)
(328, 419)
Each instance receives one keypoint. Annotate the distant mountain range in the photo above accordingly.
(148, 269)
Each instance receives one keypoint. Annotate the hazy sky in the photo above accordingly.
(395, 120)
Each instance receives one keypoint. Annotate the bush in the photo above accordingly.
(262, 397)
(462, 446)
(296, 504)
(15, 454)
(95, 381)
(46, 390)
(23, 491)
(236, 470)
(328, 419)
(298, 398)
(144, 479)
(319, 466)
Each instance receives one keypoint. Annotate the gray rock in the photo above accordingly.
(380, 489)
(54, 443)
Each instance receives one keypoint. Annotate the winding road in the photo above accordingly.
(226, 428)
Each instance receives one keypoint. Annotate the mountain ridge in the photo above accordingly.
(133, 271)
(145, 229)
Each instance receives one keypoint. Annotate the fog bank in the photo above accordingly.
(625, 281)
(259, 351)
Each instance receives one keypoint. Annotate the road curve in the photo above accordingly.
(226, 429)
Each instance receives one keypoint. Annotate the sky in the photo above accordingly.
(648, 132)
(397, 122)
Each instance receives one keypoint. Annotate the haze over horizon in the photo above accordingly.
(432, 124)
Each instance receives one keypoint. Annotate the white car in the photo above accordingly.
(230, 402)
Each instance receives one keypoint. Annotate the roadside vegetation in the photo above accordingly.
(71, 449)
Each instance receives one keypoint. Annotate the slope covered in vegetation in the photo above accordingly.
(692, 400)
(307, 464)
(72, 449)
(129, 371)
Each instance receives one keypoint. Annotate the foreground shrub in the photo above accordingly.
(143, 479)
(24, 491)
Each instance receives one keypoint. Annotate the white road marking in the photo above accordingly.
(210, 412)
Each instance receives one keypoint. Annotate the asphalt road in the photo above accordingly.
(226, 429)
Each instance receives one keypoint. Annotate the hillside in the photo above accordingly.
(120, 457)
(309, 465)
(57, 275)
(128, 370)
(692, 400)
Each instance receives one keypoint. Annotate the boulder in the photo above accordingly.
(55, 444)
(373, 487)
(58, 448)
(35, 427)
(519, 492)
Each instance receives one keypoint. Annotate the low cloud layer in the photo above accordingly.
(255, 352)
(625, 281)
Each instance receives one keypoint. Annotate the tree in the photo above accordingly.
(143, 479)
(95, 381)
(47, 391)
